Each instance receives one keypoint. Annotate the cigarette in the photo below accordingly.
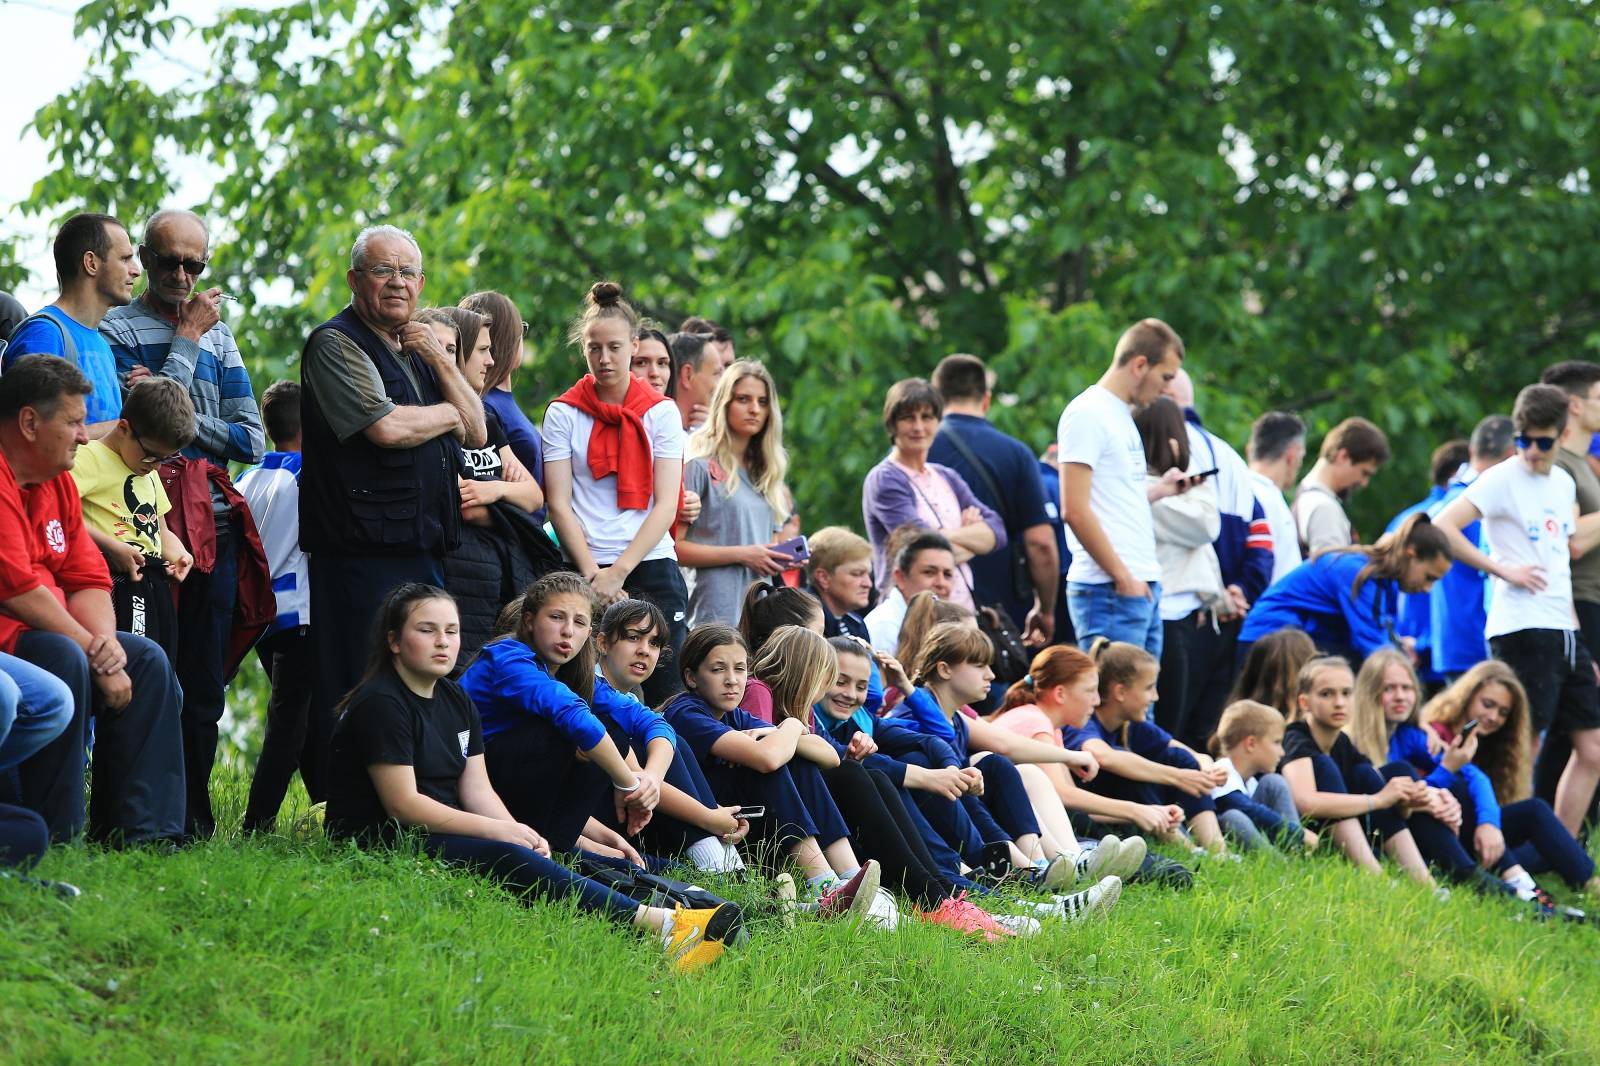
(226, 296)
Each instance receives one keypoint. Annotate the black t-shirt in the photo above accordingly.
(385, 722)
(485, 464)
(1299, 744)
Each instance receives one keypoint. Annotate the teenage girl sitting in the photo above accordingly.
(1139, 761)
(407, 752)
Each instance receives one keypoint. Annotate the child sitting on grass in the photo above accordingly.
(124, 506)
(1139, 761)
(1254, 805)
(407, 753)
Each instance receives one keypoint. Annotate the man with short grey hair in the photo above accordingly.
(383, 411)
(171, 330)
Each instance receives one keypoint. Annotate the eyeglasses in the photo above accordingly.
(153, 456)
(383, 272)
(1544, 444)
(162, 261)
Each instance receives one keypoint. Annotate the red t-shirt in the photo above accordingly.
(43, 542)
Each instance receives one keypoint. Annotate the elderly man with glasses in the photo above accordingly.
(171, 330)
(385, 413)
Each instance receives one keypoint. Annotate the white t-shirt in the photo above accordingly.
(1097, 430)
(1527, 519)
(1235, 782)
(1280, 520)
(607, 529)
(884, 621)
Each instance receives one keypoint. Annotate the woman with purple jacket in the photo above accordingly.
(906, 489)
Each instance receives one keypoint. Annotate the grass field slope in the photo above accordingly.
(288, 949)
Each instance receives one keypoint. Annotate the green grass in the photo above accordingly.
(290, 949)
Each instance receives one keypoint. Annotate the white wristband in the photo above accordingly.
(631, 788)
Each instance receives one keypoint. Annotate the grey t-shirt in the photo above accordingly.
(1320, 518)
(346, 383)
(717, 592)
(1585, 571)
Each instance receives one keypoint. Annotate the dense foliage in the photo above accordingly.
(1345, 207)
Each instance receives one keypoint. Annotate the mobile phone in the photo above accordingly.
(750, 814)
(1202, 475)
(1466, 730)
(795, 548)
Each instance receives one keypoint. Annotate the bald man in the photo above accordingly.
(1244, 551)
(170, 330)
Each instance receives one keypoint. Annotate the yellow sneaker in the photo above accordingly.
(699, 937)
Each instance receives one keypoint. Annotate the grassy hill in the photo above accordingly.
(288, 949)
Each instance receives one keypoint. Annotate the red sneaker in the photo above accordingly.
(956, 913)
(854, 897)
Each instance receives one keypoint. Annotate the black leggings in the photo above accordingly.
(881, 829)
(536, 770)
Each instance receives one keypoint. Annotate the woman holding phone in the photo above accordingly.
(736, 463)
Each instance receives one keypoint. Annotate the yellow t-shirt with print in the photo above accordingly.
(118, 501)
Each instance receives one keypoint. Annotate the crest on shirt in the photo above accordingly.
(465, 736)
(55, 536)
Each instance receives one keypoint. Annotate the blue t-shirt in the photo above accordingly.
(1145, 739)
(1013, 469)
(94, 359)
(697, 727)
(1416, 608)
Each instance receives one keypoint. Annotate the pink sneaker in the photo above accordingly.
(854, 897)
(956, 913)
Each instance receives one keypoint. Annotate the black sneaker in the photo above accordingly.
(1160, 870)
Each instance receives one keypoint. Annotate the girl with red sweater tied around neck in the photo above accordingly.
(613, 468)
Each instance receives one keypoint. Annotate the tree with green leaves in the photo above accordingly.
(1343, 207)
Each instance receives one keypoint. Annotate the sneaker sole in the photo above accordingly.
(1110, 892)
(1130, 857)
(865, 893)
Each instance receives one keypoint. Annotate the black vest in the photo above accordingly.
(359, 499)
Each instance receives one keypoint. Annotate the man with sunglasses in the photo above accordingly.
(171, 330)
(96, 267)
(1529, 511)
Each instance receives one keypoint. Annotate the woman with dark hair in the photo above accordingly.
(408, 754)
(907, 489)
(652, 358)
(1347, 599)
(507, 333)
(502, 546)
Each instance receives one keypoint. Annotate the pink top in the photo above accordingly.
(757, 699)
(938, 506)
(1029, 721)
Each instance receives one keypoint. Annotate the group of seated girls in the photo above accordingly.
(878, 782)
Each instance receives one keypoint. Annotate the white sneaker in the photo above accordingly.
(1091, 863)
(1096, 899)
(1019, 924)
(1058, 874)
(1130, 856)
(883, 912)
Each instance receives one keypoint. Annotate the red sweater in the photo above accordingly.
(43, 542)
(619, 443)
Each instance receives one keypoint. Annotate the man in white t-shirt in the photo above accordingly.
(1529, 509)
(1276, 449)
(924, 560)
(1113, 584)
(1351, 453)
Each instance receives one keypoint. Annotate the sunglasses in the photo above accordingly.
(193, 267)
(1544, 444)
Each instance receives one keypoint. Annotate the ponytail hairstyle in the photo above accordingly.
(1119, 663)
(768, 604)
(576, 673)
(701, 642)
(392, 617)
(954, 644)
(1506, 755)
(1368, 727)
(603, 301)
(1271, 671)
(1308, 679)
(1417, 537)
(798, 666)
(923, 613)
(506, 332)
(1059, 664)
(1242, 720)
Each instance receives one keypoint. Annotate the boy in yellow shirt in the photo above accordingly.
(124, 504)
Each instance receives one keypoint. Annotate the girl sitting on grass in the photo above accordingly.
(407, 752)
(688, 821)
(952, 672)
(748, 761)
(557, 735)
(1255, 805)
(1529, 836)
(767, 606)
(1139, 761)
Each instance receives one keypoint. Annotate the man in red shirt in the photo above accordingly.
(55, 612)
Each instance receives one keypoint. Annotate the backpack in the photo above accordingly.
(69, 350)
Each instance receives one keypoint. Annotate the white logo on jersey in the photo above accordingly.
(55, 536)
(465, 736)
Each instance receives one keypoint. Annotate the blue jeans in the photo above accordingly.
(1098, 611)
(35, 708)
(1263, 819)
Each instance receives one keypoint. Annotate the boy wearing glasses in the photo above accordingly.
(124, 507)
(1529, 510)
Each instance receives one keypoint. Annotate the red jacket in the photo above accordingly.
(188, 483)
